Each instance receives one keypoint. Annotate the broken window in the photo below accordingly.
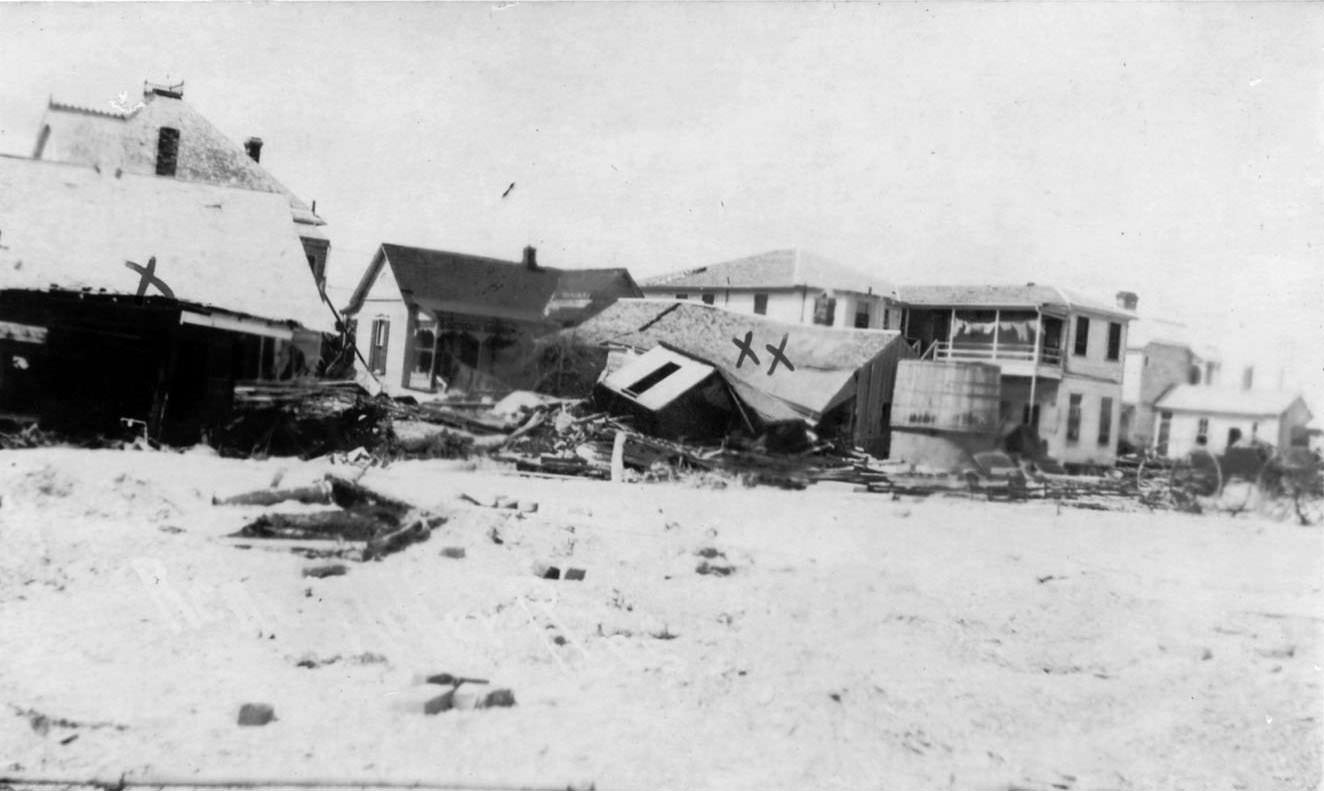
(825, 310)
(1114, 340)
(1202, 431)
(862, 316)
(644, 384)
(1073, 417)
(167, 151)
(1082, 335)
(708, 299)
(1105, 421)
(761, 304)
(381, 333)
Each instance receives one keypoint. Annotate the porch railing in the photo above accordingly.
(985, 352)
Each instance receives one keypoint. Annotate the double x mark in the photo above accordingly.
(778, 352)
(147, 276)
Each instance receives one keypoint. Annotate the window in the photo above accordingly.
(1105, 421)
(1202, 431)
(862, 316)
(167, 151)
(381, 333)
(825, 310)
(1082, 335)
(761, 304)
(682, 296)
(708, 299)
(639, 387)
(1164, 432)
(424, 341)
(887, 318)
(1114, 340)
(1073, 418)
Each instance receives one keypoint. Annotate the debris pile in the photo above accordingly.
(365, 525)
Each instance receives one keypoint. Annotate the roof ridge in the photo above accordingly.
(52, 104)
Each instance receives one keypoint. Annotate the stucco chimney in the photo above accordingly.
(531, 257)
(253, 146)
(1127, 300)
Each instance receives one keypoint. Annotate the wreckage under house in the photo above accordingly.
(130, 298)
(692, 371)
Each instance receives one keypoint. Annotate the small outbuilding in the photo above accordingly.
(1215, 418)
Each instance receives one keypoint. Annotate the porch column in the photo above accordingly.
(1034, 360)
(951, 333)
(997, 313)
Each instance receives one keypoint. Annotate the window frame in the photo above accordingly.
(1114, 341)
(1105, 421)
(1075, 409)
(167, 151)
(1080, 342)
(379, 339)
(761, 304)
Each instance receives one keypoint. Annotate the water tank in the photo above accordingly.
(947, 396)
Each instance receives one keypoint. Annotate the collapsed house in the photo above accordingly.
(428, 320)
(688, 370)
(140, 298)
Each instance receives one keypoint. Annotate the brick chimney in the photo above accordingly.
(253, 146)
(1127, 300)
(531, 258)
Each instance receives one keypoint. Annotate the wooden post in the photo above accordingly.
(618, 458)
(997, 314)
(1034, 362)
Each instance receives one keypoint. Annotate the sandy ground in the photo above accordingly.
(860, 641)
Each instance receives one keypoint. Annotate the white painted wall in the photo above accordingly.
(1186, 427)
(1095, 361)
(794, 306)
(1086, 449)
(384, 301)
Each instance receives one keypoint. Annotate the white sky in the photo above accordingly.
(1172, 149)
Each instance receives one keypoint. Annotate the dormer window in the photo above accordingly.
(167, 151)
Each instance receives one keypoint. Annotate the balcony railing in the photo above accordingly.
(987, 352)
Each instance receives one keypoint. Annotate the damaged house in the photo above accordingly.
(689, 370)
(162, 135)
(132, 297)
(426, 320)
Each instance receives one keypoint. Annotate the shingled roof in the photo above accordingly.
(825, 359)
(72, 227)
(1030, 295)
(776, 269)
(440, 281)
(128, 140)
(1227, 401)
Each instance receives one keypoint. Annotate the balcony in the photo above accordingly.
(1015, 359)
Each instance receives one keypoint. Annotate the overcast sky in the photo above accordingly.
(1172, 149)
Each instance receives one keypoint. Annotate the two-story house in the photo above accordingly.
(786, 285)
(162, 135)
(1061, 356)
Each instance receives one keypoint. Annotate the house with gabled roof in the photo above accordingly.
(1060, 353)
(786, 285)
(1188, 417)
(428, 319)
(164, 136)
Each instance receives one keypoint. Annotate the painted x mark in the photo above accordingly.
(778, 356)
(148, 277)
(746, 348)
